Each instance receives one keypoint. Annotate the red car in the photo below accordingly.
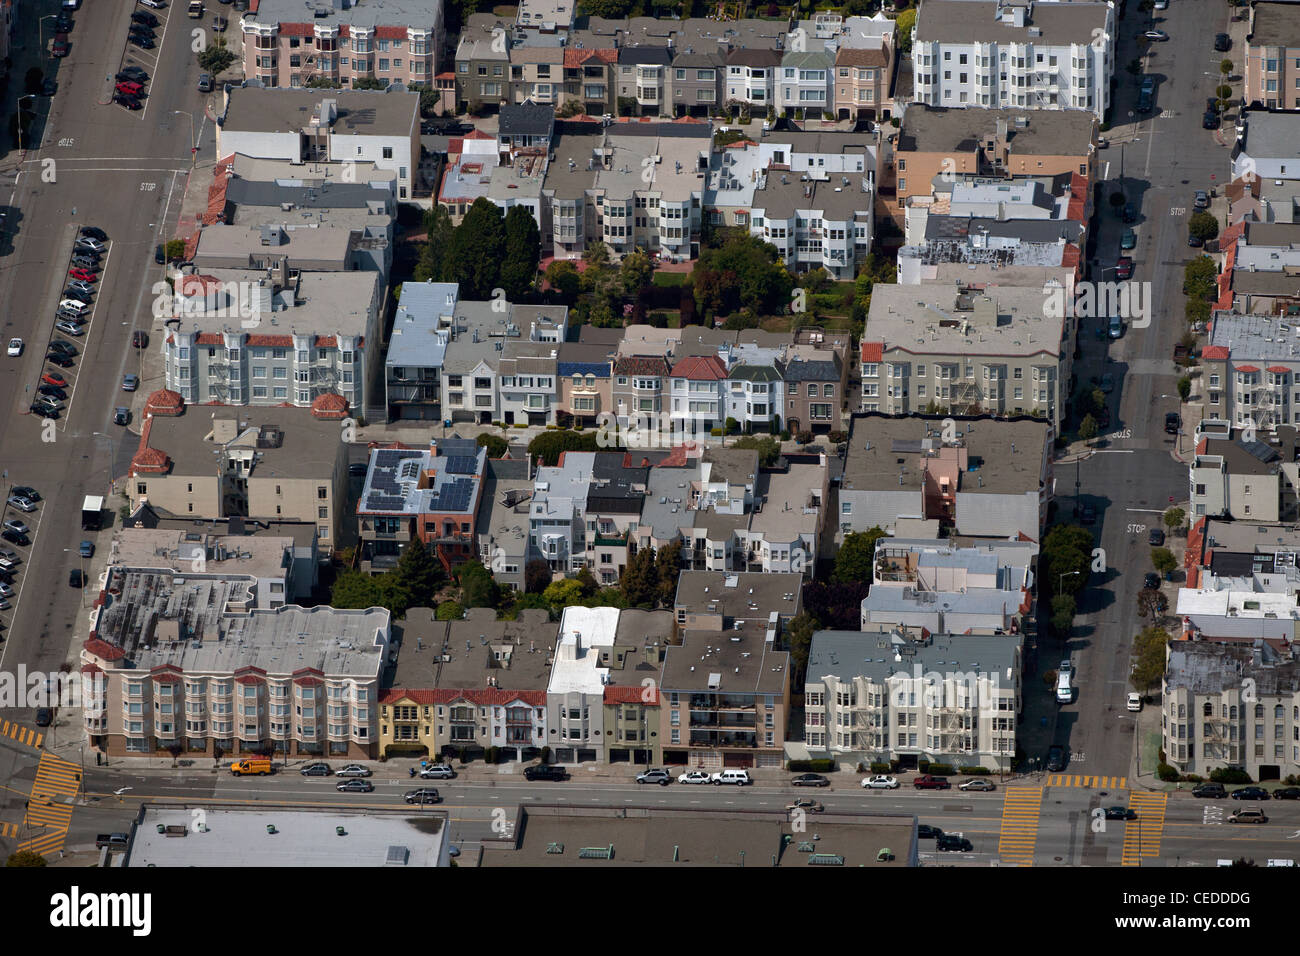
(927, 782)
(1124, 267)
(60, 47)
(55, 379)
(85, 275)
(129, 88)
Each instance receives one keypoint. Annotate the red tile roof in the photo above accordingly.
(1279, 369)
(390, 33)
(209, 338)
(1214, 352)
(1246, 368)
(296, 29)
(329, 405)
(707, 368)
(278, 341)
(873, 351)
(635, 694)
(1195, 542)
(576, 58)
(641, 365)
(104, 650)
(1071, 256)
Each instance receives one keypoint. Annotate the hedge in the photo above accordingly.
(879, 767)
(938, 769)
(812, 766)
(1230, 775)
(974, 771)
(1167, 773)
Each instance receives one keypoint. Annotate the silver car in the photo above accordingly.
(21, 503)
(13, 524)
(353, 770)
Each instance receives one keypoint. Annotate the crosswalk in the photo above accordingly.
(49, 807)
(8, 831)
(1082, 780)
(1019, 833)
(1142, 836)
(24, 735)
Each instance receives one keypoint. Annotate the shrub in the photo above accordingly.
(941, 769)
(923, 765)
(1193, 778)
(879, 766)
(1230, 775)
(1166, 773)
(811, 766)
(805, 437)
(837, 436)
(974, 771)
(715, 432)
(785, 434)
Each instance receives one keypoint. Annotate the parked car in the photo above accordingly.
(156, 4)
(1120, 813)
(43, 716)
(26, 491)
(140, 339)
(926, 832)
(545, 771)
(1173, 422)
(1130, 212)
(75, 578)
(358, 469)
(661, 777)
(1151, 581)
(60, 46)
(86, 549)
(353, 770)
(15, 348)
(68, 327)
(1128, 240)
(1210, 119)
(79, 290)
(16, 524)
(22, 504)
(731, 777)
(693, 776)
(1222, 43)
(927, 782)
(54, 378)
(949, 843)
(205, 82)
(60, 358)
(1055, 758)
(1155, 537)
(427, 795)
(5, 590)
(880, 782)
(1134, 702)
(130, 383)
(52, 391)
(84, 259)
(1156, 36)
(438, 771)
(89, 242)
(1124, 267)
(73, 305)
(13, 537)
(136, 73)
(1241, 793)
(1195, 241)
(1287, 793)
(978, 783)
(1115, 328)
(129, 88)
(121, 416)
(1088, 515)
(143, 42)
(1247, 815)
(317, 770)
(1201, 200)
(85, 275)
(145, 17)
(810, 780)
(355, 786)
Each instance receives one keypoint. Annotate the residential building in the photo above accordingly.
(1231, 706)
(430, 497)
(817, 221)
(998, 350)
(695, 82)
(364, 126)
(943, 698)
(529, 391)
(416, 349)
(642, 84)
(274, 464)
(787, 523)
(536, 73)
(472, 161)
(722, 601)
(751, 76)
(389, 41)
(545, 16)
(290, 680)
(803, 83)
(986, 53)
(698, 392)
(524, 126)
(1251, 367)
(754, 395)
(861, 83)
(483, 62)
(589, 79)
(984, 477)
(446, 701)
(814, 397)
(585, 383)
(1272, 55)
(1265, 151)
(639, 385)
(300, 337)
(1245, 476)
(502, 523)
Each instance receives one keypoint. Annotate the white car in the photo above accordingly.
(694, 776)
(15, 347)
(156, 4)
(1134, 702)
(73, 305)
(880, 782)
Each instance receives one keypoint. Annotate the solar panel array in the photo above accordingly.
(461, 465)
(386, 492)
(454, 495)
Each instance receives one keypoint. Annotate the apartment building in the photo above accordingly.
(416, 349)
(639, 385)
(944, 698)
(862, 83)
(751, 77)
(427, 497)
(461, 687)
(1251, 367)
(536, 74)
(720, 601)
(242, 337)
(754, 395)
(1265, 152)
(802, 86)
(589, 79)
(1231, 706)
(995, 54)
(298, 682)
(1262, 261)
(483, 62)
(997, 350)
(816, 220)
(695, 81)
(502, 522)
(384, 41)
(528, 382)
(301, 126)
(814, 395)
(584, 375)
(642, 80)
(697, 391)
(545, 16)
(788, 518)
(272, 464)
(1003, 143)
(1272, 54)
(985, 477)
(1250, 477)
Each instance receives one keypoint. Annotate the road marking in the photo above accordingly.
(16, 731)
(1086, 781)
(1018, 834)
(1142, 836)
(55, 778)
(1145, 511)
(1114, 451)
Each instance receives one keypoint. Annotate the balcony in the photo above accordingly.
(718, 721)
(722, 739)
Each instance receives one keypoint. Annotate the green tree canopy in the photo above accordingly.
(640, 582)
(477, 588)
(904, 23)
(449, 611)
(550, 444)
(496, 445)
(26, 858)
(562, 593)
(474, 255)
(537, 575)
(565, 283)
(1174, 518)
(668, 566)
(744, 272)
(1149, 658)
(523, 249)
(358, 590)
(1088, 428)
(1163, 560)
(768, 448)
(438, 232)
(853, 561)
(799, 642)
(635, 272)
(1200, 278)
(418, 574)
(1204, 226)
(1068, 549)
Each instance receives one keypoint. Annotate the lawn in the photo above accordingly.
(670, 280)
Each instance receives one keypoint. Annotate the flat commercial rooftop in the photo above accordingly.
(261, 557)
(237, 837)
(360, 112)
(289, 442)
(362, 13)
(936, 129)
(975, 21)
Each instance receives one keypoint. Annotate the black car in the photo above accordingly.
(1130, 212)
(76, 294)
(1055, 758)
(1210, 120)
(45, 411)
(92, 232)
(810, 780)
(143, 16)
(1222, 43)
(1249, 793)
(427, 795)
(1287, 793)
(1213, 791)
(129, 102)
(59, 345)
(926, 832)
(355, 786)
(49, 88)
(1120, 813)
(1172, 423)
(74, 578)
(63, 23)
(133, 74)
(1155, 538)
(43, 716)
(317, 770)
(31, 494)
(1195, 241)
(160, 254)
(60, 359)
(1152, 581)
(1087, 515)
(545, 771)
(54, 392)
(949, 842)
(9, 534)
(143, 42)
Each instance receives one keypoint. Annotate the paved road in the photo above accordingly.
(89, 162)
(1134, 475)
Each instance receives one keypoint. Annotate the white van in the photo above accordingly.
(1064, 692)
(738, 777)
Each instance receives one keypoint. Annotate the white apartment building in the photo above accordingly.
(1045, 55)
(803, 83)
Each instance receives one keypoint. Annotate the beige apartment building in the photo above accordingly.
(933, 347)
(1272, 55)
(861, 86)
(270, 464)
(287, 43)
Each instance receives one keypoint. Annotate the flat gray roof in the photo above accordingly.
(1270, 134)
(325, 303)
(740, 595)
(879, 656)
(262, 557)
(291, 442)
(780, 195)
(415, 341)
(360, 112)
(936, 319)
(975, 21)
(306, 838)
(1250, 536)
(1210, 667)
(362, 13)
(478, 647)
(1260, 337)
(1274, 24)
(727, 662)
(936, 129)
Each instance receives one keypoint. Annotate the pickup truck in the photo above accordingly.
(927, 782)
(116, 841)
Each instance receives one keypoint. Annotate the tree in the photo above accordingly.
(596, 255)
(355, 590)
(639, 582)
(1225, 67)
(1200, 278)
(449, 611)
(26, 858)
(1184, 387)
(560, 594)
(537, 575)
(1063, 609)
(523, 248)
(613, 9)
(1088, 428)
(563, 279)
(1149, 662)
(903, 25)
(496, 445)
(1163, 560)
(1152, 603)
(438, 233)
(1068, 550)
(744, 272)
(854, 560)
(549, 445)
(635, 272)
(418, 573)
(768, 448)
(1204, 226)
(1196, 310)
(477, 588)
(1174, 518)
(799, 642)
(668, 566)
(474, 255)
(216, 59)
(834, 605)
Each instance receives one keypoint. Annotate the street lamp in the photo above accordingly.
(194, 146)
(1061, 582)
(40, 28)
